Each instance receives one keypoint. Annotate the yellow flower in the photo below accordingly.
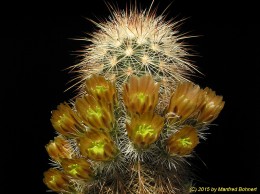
(211, 107)
(101, 89)
(58, 149)
(140, 94)
(97, 146)
(183, 142)
(95, 114)
(56, 181)
(185, 101)
(77, 168)
(66, 121)
(145, 129)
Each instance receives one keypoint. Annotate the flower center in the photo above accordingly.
(141, 97)
(185, 142)
(53, 179)
(144, 130)
(73, 169)
(97, 147)
(100, 89)
(62, 119)
(97, 112)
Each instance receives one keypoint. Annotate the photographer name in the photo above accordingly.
(239, 189)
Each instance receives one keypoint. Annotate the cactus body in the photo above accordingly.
(137, 117)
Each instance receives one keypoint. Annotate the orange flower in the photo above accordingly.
(145, 129)
(101, 89)
(56, 181)
(77, 168)
(211, 108)
(140, 94)
(185, 101)
(97, 146)
(183, 142)
(96, 115)
(58, 149)
(66, 121)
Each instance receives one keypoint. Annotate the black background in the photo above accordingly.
(38, 46)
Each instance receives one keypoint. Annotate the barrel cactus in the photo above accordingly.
(137, 116)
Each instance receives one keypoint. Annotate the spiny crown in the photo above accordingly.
(135, 42)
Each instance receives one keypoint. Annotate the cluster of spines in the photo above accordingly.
(96, 152)
(134, 42)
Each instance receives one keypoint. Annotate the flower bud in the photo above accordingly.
(95, 114)
(66, 121)
(59, 148)
(185, 101)
(101, 89)
(56, 181)
(145, 129)
(183, 142)
(211, 107)
(140, 94)
(77, 168)
(97, 146)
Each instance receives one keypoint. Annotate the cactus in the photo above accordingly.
(137, 117)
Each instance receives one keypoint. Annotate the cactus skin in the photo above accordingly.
(137, 117)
